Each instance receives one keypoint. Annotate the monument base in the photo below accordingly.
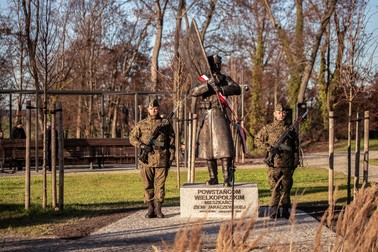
(215, 201)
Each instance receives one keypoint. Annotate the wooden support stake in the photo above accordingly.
(53, 149)
(366, 147)
(189, 145)
(60, 153)
(331, 159)
(357, 156)
(193, 159)
(27, 154)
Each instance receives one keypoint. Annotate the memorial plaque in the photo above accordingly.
(215, 201)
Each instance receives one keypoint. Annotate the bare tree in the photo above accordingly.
(158, 12)
(12, 28)
(123, 57)
(300, 66)
(342, 84)
(88, 21)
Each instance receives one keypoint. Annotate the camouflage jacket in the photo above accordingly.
(163, 148)
(269, 135)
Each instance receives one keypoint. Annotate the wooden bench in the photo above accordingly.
(102, 151)
(76, 151)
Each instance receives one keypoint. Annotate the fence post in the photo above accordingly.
(331, 159)
(60, 153)
(357, 155)
(136, 121)
(27, 154)
(366, 147)
(10, 116)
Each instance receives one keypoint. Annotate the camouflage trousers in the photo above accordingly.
(154, 183)
(280, 182)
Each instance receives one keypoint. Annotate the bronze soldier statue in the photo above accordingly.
(280, 174)
(214, 133)
(160, 156)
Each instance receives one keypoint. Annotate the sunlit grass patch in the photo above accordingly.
(89, 194)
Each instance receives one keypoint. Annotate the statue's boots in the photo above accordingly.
(285, 211)
(213, 172)
(150, 212)
(226, 170)
(276, 212)
(158, 212)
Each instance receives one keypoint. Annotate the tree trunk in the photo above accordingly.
(159, 32)
(314, 50)
(297, 75)
(209, 16)
(115, 118)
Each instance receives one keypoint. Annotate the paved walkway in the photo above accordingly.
(135, 233)
(321, 159)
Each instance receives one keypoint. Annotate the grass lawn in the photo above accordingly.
(90, 194)
(342, 145)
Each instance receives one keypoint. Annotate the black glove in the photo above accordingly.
(169, 164)
(296, 160)
(218, 89)
(144, 147)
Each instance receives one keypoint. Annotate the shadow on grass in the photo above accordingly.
(316, 189)
(15, 215)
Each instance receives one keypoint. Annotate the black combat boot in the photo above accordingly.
(158, 212)
(213, 172)
(276, 212)
(285, 211)
(226, 169)
(150, 212)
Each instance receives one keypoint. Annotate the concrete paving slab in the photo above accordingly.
(136, 233)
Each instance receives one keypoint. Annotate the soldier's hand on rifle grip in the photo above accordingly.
(147, 148)
(169, 164)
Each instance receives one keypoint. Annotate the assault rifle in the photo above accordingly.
(277, 146)
(143, 156)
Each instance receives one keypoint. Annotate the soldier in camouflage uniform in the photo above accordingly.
(214, 135)
(280, 176)
(160, 157)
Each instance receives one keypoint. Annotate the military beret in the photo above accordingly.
(279, 107)
(153, 103)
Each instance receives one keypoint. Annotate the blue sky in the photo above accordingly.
(372, 25)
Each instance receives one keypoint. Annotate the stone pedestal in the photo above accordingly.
(215, 201)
